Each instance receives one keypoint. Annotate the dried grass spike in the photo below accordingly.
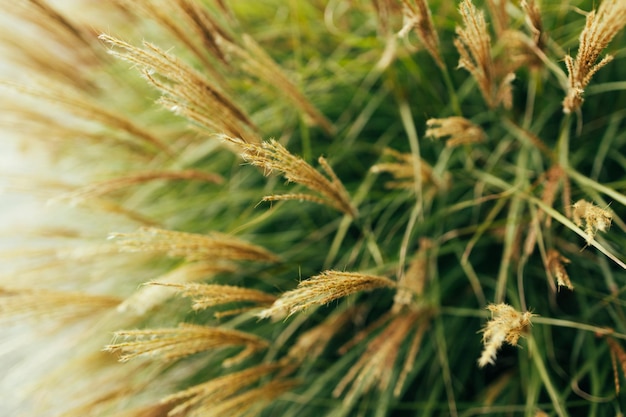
(81, 105)
(458, 130)
(185, 91)
(218, 389)
(38, 303)
(375, 368)
(272, 156)
(617, 355)
(109, 186)
(506, 325)
(248, 403)
(593, 217)
(258, 63)
(555, 262)
(184, 340)
(411, 284)
(474, 47)
(210, 295)
(417, 16)
(534, 21)
(402, 168)
(311, 344)
(153, 294)
(322, 289)
(601, 26)
(191, 246)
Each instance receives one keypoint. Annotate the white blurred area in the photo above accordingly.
(27, 168)
(19, 160)
(20, 210)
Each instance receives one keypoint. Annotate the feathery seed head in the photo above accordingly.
(556, 268)
(618, 355)
(191, 246)
(38, 303)
(153, 293)
(411, 284)
(506, 325)
(458, 130)
(185, 91)
(210, 295)
(402, 167)
(272, 156)
(601, 27)
(232, 394)
(417, 17)
(474, 46)
(593, 217)
(184, 340)
(322, 289)
(533, 19)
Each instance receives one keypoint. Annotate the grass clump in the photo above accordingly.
(312, 208)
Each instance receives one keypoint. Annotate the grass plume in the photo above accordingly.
(600, 28)
(506, 325)
(184, 340)
(191, 246)
(272, 156)
(322, 289)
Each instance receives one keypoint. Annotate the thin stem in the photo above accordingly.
(530, 100)
(557, 402)
(411, 132)
(548, 321)
(552, 213)
(454, 100)
(580, 326)
(418, 209)
(588, 182)
(563, 143)
(512, 225)
(445, 365)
